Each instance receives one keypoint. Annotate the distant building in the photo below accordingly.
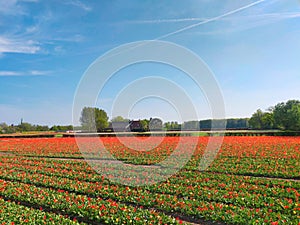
(118, 126)
(135, 126)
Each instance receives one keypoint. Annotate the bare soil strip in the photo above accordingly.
(257, 176)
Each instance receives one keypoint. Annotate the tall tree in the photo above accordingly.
(26, 127)
(101, 119)
(255, 121)
(267, 120)
(145, 124)
(93, 119)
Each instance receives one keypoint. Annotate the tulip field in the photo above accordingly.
(252, 180)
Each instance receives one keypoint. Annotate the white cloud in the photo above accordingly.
(213, 19)
(25, 73)
(13, 7)
(10, 7)
(9, 73)
(158, 21)
(199, 21)
(261, 17)
(249, 19)
(9, 45)
(79, 4)
(237, 23)
(240, 23)
(74, 38)
(39, 72)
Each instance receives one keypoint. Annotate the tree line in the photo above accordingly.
(95, 119)
(27, 127)
(283, 116)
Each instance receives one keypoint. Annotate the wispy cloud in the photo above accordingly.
(74, 38)
(39, 72)
(25, 73)
(158, 21)
(9, 73)
(10, 7)
(274, 16)
(242, 23)
(253, 21)
(238, 22)
(13, 7)
(268, 16)
(79, 4)
(213, 19)
(10, 45)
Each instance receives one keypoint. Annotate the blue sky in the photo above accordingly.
(252, 47)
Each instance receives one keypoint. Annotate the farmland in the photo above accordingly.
(253, 180)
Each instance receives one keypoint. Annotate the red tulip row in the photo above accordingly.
(214, 196)
(259, 156)
(83, 207)
(184, 178)
(13, 213)
(182, 198)
(81, 171)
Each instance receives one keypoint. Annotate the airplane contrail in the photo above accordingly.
(210, 19)
(191, 26)
(165, 20)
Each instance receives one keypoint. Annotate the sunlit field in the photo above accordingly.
(253, 180)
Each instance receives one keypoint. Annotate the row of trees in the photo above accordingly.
(94, 119)
(284, 116)
(27, 127)
(238, 123)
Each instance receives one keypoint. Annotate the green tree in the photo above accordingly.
(101, 119)
(26, 127)
(87, 119)
(174, 125)
(256, 121)
(93, 119)
(61, 128)
(267, 120)
(3, 128)
(145, 124)
(287, 115)
(41, 128)
(119, 119)
(294, 116)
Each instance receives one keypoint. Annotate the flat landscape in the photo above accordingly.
(253, 180)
